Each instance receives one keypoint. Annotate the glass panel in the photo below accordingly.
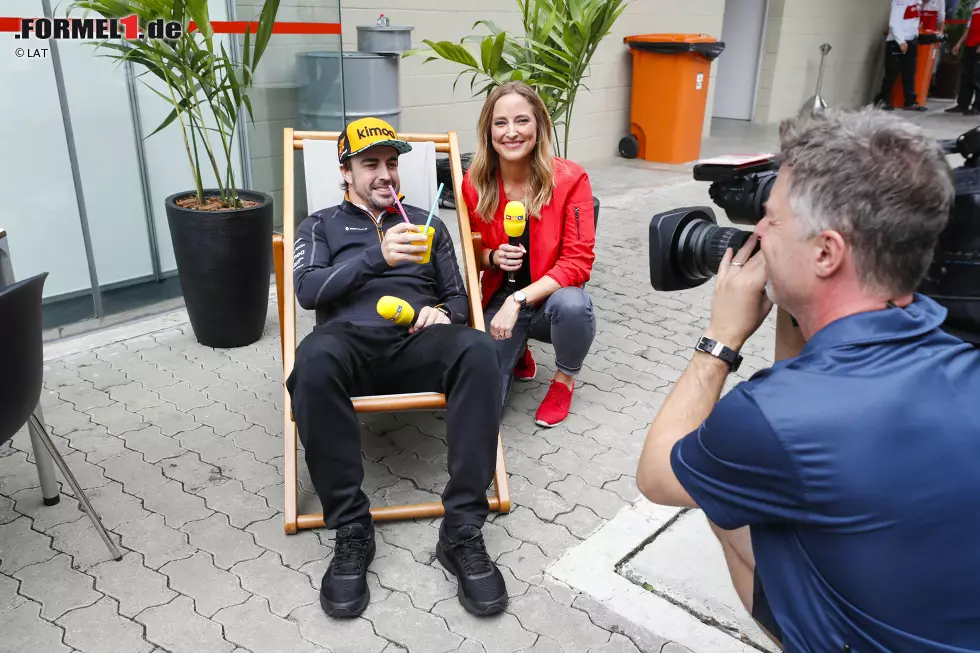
(168, 167)
(109, 161)
(40, 209)
(285, 95)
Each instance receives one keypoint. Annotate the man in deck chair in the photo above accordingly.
(346, 258)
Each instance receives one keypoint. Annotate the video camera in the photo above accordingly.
(687, 244)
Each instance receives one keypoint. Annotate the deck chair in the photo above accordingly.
(312, 144)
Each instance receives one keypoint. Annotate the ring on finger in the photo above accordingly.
(737, 264)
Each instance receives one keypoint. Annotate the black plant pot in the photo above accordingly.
(224, 259)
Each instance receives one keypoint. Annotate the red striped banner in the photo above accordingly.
(239, 26)
(8, 24)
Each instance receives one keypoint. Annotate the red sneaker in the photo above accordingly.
(526, 369)
(554, 409)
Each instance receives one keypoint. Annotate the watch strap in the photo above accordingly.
(719, 350)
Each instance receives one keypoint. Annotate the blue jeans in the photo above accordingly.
(565, 320)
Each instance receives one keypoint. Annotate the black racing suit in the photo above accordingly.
(339, 271)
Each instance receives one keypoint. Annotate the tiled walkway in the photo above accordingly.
(180, 449)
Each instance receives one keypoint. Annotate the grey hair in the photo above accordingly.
(879, 181)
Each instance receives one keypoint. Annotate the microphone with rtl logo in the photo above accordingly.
(515, 219)
(396, 310)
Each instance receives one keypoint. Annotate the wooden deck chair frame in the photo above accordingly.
(447, 143)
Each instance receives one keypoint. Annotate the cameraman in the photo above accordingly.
(844, 483)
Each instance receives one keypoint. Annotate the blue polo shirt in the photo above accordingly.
(857, 467)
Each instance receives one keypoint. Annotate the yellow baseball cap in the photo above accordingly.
(363, 133)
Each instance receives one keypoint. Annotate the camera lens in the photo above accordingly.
(702, 245)
(687, 246)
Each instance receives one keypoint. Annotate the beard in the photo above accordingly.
(373, 201)
(368, 195)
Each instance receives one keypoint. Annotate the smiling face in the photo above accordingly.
(370, 174)
(514, 128)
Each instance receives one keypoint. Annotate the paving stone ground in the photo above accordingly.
(179, 447)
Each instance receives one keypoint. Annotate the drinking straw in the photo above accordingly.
(398, 202)
(433, 209)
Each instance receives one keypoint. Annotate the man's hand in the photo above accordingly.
(427, 317)
(904, 47)
(509, 257)
(397, 244)
(740, 304)
(956, 50)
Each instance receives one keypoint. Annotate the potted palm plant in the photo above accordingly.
(222, 235)
(552, 56)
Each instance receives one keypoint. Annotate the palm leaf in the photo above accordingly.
(205, 88)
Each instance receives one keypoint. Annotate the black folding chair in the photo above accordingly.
(21, 378)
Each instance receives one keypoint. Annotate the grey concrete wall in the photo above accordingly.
(601, 116)
(795, 30)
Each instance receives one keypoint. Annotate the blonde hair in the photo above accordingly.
(485, 167)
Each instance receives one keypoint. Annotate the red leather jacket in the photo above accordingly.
(562, 240)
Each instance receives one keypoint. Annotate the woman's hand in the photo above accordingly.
(509, 258)
(502, 325)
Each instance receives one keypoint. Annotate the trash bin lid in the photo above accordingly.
(670, 38)
(702, 44)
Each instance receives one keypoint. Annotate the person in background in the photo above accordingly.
(933, 16)
(546, 302)
(901, 51)
(842, 482)
(968, 98)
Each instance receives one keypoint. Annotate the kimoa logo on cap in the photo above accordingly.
(375, 131)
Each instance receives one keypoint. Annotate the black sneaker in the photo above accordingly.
(915, 107)
(956, 109)
(344, 591)
(482, 590)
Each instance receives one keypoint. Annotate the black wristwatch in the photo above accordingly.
(445, 311)
(718, 350)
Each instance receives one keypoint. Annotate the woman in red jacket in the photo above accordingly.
(545, 301)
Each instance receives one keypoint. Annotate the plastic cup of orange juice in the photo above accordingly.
(427, 254)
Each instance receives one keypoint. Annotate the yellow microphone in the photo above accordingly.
(515, 220)
(396, 310)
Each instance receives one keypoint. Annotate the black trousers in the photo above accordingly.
(339, 361)
(969, 79)
(897, 64)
